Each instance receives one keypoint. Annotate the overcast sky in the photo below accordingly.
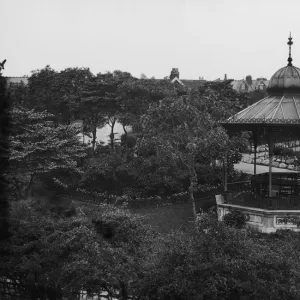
(200, 37)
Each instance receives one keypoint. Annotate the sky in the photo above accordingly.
(202, 38)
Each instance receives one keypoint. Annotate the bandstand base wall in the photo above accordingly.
(261, 220)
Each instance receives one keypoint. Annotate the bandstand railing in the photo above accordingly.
(239, 186)
(251, 199)
(285, 192)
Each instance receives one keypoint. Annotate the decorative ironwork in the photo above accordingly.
(247, 217)
(261, 121)
(288, 220)
(290, 43)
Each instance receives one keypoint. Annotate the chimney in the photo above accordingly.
(225, 77)
(174, 73)
(249, 79)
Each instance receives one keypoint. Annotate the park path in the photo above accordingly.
(249, 168)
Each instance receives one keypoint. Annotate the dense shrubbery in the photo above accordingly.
(235, 218)
(283, 151)
(97, 248)
(104, 99)
(221, 262)
(104, 248)
(58, 247)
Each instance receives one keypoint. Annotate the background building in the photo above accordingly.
(190, 83)
(255, 88)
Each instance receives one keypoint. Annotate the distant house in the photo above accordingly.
(256, 89)
(249, 85)
(190, 83)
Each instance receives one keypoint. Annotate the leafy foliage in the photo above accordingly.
(4, 153)
(139, 94)
(183, 136)
(235, 218)
(99, 103)
(42, 150)
(51, 251)
(57, 92)
(221, 262)
(220, 99)
(109, 171)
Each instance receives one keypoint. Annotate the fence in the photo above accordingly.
(11, 290)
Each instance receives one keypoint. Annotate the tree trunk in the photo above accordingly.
(68, 122)
(94, 137)
(125, 131)
(112, 135)
(29, 186)
(123, 291)
(193, 179)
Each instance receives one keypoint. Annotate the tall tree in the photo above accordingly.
(138, 94)
(57, 92)
(4, 154)
(183, 135)
(41, 150)
(220, 99)
(48, 252)
(100, 103)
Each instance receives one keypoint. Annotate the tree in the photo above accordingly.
(183, 136)
(137, 94)
(216, 261)
(49, 252)
(18, 94)
(109, 171)
(42, 151)
(100, 103)
(4, 154)
(57, 92)
(154, 177)
(220, 99)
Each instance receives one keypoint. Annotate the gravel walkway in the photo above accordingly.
(249, 168)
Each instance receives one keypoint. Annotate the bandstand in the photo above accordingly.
(270, 200)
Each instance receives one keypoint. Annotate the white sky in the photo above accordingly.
(200, 37)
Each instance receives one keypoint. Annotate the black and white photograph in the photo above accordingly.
(149, 150)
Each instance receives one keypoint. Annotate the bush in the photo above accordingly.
(282, 151)
(216, 261)
(235, 218)
(53, 251)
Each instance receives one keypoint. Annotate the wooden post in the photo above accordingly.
(270, 164)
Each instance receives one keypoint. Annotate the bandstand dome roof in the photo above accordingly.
(281, 107)
(285, 78)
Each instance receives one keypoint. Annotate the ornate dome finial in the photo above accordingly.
(290, 43)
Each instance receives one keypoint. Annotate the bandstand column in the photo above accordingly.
(271, 153)
(225, 175)
(255, 149)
